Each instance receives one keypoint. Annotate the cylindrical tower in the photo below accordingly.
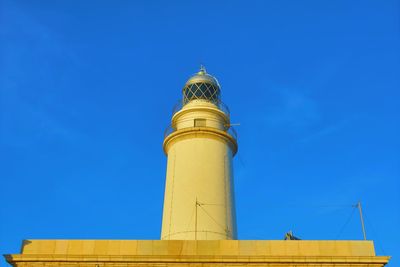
(199, 201)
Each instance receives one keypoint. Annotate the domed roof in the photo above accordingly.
(202, 77)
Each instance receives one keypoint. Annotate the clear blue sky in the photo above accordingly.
(87, 88)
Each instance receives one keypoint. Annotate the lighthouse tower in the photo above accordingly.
(200, 145)
(199, 211)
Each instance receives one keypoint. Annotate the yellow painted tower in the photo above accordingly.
(200, 145)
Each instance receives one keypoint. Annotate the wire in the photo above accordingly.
(212, 218)
(347, 222)
(210, 204)
(308, 206)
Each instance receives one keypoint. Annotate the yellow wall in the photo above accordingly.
(199, 167)
(191, 253)
(200, 247)
(214, 117)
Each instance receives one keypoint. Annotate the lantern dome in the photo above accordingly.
(201, 86)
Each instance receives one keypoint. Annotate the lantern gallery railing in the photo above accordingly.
(231, 131)
(220, 105)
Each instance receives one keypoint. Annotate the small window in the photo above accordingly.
(199, 123)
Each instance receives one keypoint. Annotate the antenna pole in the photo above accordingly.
(362, 219)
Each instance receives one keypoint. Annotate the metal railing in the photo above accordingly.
(231, 131)
(169, 130)
(220, 105)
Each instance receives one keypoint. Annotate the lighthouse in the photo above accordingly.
(198, 226)
(200, 145)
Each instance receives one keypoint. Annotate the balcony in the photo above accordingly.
(231, 131)
(220, 105)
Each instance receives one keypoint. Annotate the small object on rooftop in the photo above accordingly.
(289, 236)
